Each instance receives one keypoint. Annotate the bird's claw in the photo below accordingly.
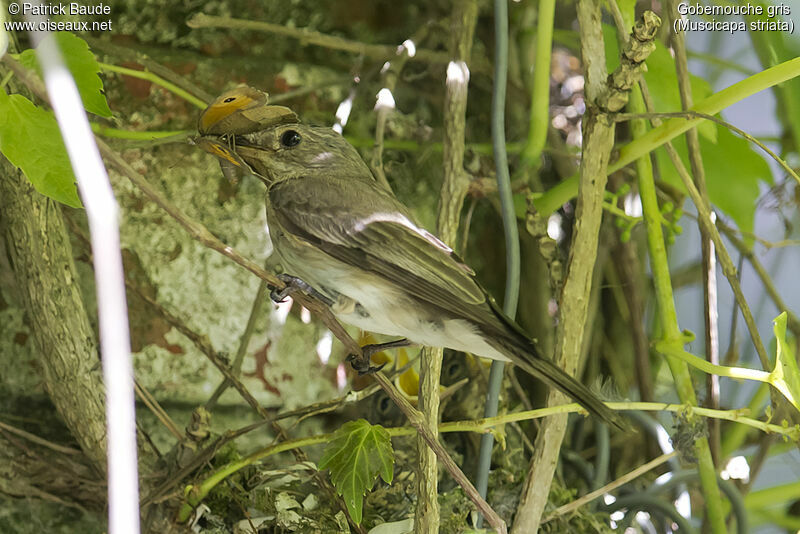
(363, 364)
(292, 285)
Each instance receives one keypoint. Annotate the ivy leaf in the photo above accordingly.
(31, 140)
(84, 68)
(786, 375)
(356, 454)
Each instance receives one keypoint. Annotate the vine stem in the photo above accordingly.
(510, 231)
(158, 80)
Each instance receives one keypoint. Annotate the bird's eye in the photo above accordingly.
(290, 138)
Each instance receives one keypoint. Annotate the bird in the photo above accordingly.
(341, 235)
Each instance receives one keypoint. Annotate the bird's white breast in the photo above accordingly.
(379, 306)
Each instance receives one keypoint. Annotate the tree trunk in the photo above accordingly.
(41, 259)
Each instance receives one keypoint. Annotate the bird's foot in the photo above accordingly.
(363, 363)
(293, 285)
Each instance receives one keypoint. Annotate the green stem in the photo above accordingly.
(768, 497)
(6, 79)
(158, 80)
(613, 209)
(117, 133)
(676, 350)
(694, 114)
(195, 494)
(720, 62)
(667, 314)
(774, 378)
(712, 105)
(540, 95)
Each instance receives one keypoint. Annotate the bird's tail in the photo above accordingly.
(522, 353)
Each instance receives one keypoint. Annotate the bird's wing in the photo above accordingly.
(357, 223)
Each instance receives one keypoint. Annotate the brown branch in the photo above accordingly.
(603, 93)
(40, 254)
(451, 199)
(39, 441)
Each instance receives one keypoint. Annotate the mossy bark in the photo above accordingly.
(41, 258)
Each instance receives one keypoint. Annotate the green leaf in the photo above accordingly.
(733, 169)
(84, 68)
(773, 48)
(356, 454)
(31, 140)
(786, 375)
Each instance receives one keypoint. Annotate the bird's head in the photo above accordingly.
(292, 150)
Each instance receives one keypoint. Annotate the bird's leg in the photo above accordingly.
(363, 363)
(294, 284)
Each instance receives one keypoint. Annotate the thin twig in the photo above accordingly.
(728, 268)
(416, 419)
(451, 199)
(621, 481)
(144, 395)
(200, 233)
(668, 315)
(160, 413)
(598, 135)
(373, 51)
(311, 410)
(36, 439)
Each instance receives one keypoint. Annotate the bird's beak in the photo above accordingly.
(228, 154)
(236, 113)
